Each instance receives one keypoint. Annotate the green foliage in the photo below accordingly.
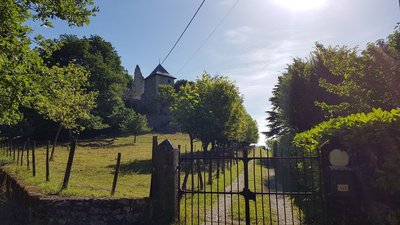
(368, 80)
(128, 120)
(344, 85)
(211, 110)
(294, 97)
(22, 70)
(371, 139)
(107, 76)
(66, 100)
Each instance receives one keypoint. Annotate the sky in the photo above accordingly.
(252, 45)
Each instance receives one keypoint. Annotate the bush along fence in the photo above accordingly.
(360, 154)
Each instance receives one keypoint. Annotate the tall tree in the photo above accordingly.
(369, 80)
(107, 75)
(211, 110)
(21, 68)
(294, 98)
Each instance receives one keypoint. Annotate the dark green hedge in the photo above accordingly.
(373, 143)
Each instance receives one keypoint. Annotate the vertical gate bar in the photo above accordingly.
(246, 186)
(255, 187)
(262, 186)
(321, 188)
(192, 197)
(223, 163)
(205, 185)
(192, 182)
(312, 186)
(276, 187)
(298, 186)
(238, 182)
(269, 189)
(198, 187)
(291, 189)
(231, 181)
(186, 158)
(211, 187)
(305, 180)
(283, 164)
(218, 177)
(179, 183)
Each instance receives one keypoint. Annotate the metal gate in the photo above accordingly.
(249, 186)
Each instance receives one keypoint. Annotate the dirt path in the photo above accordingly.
(281, 206)
(221, 210)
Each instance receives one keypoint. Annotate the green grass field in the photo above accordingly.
(93, 171)
(93, 167)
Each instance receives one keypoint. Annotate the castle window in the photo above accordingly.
(169, 81)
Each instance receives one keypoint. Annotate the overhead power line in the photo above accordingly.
(198, 9)
(208, 37)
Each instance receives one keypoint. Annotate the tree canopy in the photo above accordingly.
(25, 81)
(211, 110)
(107, 76)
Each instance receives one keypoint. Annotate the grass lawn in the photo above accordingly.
(93, 167)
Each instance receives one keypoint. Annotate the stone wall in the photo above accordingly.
(48, 210)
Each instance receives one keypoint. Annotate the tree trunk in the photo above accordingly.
(69, 165)
(134, 139)
(188, 168)
(55, 142)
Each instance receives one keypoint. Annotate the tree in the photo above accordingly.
(369, 80)
(66, 101)
(128, 120)
(21, 68)
(180, 83)
(211, 110)
(251, 130)
(107, 75)
(294, 98)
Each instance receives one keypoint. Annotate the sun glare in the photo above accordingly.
(300, 5)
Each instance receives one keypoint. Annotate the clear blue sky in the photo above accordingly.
(252, 46)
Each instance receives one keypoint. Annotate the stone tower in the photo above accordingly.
(138, 84)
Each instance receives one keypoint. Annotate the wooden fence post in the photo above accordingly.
(34, 159)
(22, 154)
(18, 152)
(69, 164)
(116, 173)
(165, 184)
(47, 162)
(27, 154)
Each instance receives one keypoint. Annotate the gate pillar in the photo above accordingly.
(164, 192)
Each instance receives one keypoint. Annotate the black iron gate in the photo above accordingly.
(250, 186)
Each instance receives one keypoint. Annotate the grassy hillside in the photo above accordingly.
(93, 167)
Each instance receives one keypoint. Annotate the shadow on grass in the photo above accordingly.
(135, 166)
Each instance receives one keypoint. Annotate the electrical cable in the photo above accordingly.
(209, 36)
(198, 9)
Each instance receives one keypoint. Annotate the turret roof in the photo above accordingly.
(159, 70)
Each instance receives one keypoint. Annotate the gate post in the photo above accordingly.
(165, 183)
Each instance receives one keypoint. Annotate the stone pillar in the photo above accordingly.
(165, 184)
